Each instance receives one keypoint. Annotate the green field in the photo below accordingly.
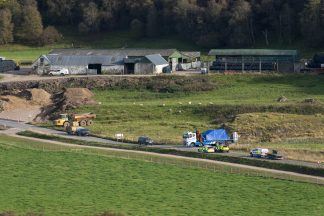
(71, 183)
(168, 115)
(165, 116)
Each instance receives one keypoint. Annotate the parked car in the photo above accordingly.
(144, 140)
(83, 132)
(204, 71)
(206, 149)
(167, 70)
(59, 72)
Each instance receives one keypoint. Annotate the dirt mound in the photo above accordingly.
(40, 97)
(19, 109)
(9, 102)
(75, 97)
(36, 96)
(70, 98)
(269, 127)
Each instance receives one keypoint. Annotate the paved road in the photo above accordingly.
(20, 126)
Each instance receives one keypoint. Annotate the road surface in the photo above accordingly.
(21, 126)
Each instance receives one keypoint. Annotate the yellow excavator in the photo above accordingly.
(83, 120)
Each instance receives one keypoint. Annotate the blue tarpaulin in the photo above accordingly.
(216, 135)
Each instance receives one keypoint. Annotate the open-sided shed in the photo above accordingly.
(254, 60)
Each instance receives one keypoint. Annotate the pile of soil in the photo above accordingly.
(75, 97)
(8, 103)
(70, 98)
(36, 96)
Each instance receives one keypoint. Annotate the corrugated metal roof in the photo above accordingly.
(79, 60)
(252, 52)
(115, 52)
(156, 59)
(191, 54)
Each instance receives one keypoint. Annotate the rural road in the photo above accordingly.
(20, 126)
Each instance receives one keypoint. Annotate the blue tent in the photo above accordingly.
(216, 135)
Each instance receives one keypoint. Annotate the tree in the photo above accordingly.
(90, 18)
(6, 26)
(31, 28)
(239, 23)
(152, 23)
(137, 28)
(50, 35)
(311, 23)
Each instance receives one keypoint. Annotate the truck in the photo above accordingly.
(83, 120)
(209, 138)
(265, 153)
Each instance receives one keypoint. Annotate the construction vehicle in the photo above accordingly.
(209, 138)
(75, 129)
(83, 120)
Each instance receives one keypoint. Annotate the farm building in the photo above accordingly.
(254, 60)
(112, 61)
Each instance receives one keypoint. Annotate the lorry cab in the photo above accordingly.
(189, 139)
(209, 138)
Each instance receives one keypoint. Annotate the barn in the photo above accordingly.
(254, 60)
(110, 61)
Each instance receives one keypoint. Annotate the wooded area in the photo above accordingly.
(208, 23)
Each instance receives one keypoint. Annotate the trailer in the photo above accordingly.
(209, 138)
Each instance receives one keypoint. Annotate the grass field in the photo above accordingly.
(165, 116)
(72, 183)
(168, 115)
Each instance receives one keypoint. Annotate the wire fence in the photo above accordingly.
(182, 162)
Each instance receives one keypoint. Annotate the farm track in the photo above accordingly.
(16, 127)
